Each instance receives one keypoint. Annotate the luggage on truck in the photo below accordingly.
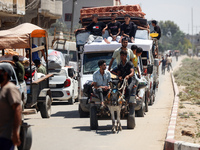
(56, 59)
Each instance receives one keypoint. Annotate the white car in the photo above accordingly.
(64, 85)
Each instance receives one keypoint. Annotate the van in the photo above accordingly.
(69, 48)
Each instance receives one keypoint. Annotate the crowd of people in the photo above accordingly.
(116, 30)
(166, 63)
(127, 68)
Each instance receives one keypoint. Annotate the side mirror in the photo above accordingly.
(149, 69)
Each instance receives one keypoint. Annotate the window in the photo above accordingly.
(68, 17)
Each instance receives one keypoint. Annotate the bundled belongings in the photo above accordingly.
(104, 13)
(56, 59)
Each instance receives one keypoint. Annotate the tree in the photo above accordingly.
(172, 37)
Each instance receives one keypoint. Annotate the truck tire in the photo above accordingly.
(131, 118)
(93, 118)
(25, 137)
(146, 103)
(45, 107)
(140, 112)
(82, 114)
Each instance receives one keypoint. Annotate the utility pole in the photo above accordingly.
(72, 20)
(192, 27)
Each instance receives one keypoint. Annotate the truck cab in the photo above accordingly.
(90, 54)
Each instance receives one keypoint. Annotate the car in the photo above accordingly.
(64, 84)
(20, 85)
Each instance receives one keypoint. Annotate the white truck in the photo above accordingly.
(92, 53)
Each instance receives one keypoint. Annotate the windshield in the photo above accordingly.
(90, 61)
(141, 34)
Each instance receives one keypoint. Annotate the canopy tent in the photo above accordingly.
(19, 37)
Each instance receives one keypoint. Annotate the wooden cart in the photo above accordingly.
(22, 37)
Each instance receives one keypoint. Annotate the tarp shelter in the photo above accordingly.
(19, 36)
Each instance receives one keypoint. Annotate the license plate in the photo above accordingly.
(52, 85)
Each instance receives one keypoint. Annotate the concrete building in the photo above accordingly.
(195, 40)
(71, 9)
(40, 12)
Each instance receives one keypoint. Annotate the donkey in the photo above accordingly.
(116, 99)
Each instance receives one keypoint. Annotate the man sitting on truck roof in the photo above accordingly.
(156, 28)
(116, 54)
(113, 29)
(125, 70)
(96, 28)
(101, 80)
(129, 28)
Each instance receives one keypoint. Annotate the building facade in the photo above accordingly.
(39, 12)
(71, 10)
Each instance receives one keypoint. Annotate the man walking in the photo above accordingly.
(163, 61)
(101, 80)
(10, 110)
(169, 62)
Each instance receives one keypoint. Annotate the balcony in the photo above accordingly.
(12, 7)
(51, 8)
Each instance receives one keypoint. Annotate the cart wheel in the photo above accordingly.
(93, 118)
(25, 137)
(131, 118)
(45, 107)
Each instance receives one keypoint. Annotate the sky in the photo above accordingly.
(179, 11)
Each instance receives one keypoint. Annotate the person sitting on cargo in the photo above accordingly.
(116, 54)
(19, 68)
(125, 70)
(128, 29)
(113, 29)
(101, 80)
(40, 67)
(137, 53)
(96, 29)
(156, 29)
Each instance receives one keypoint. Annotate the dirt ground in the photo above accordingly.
(188, 120)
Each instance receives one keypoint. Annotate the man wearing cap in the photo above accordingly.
(10, 110)
(96, 29)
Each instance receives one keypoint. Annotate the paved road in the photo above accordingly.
(66, 131)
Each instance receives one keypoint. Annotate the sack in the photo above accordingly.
(55, 59)
(87, 88)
